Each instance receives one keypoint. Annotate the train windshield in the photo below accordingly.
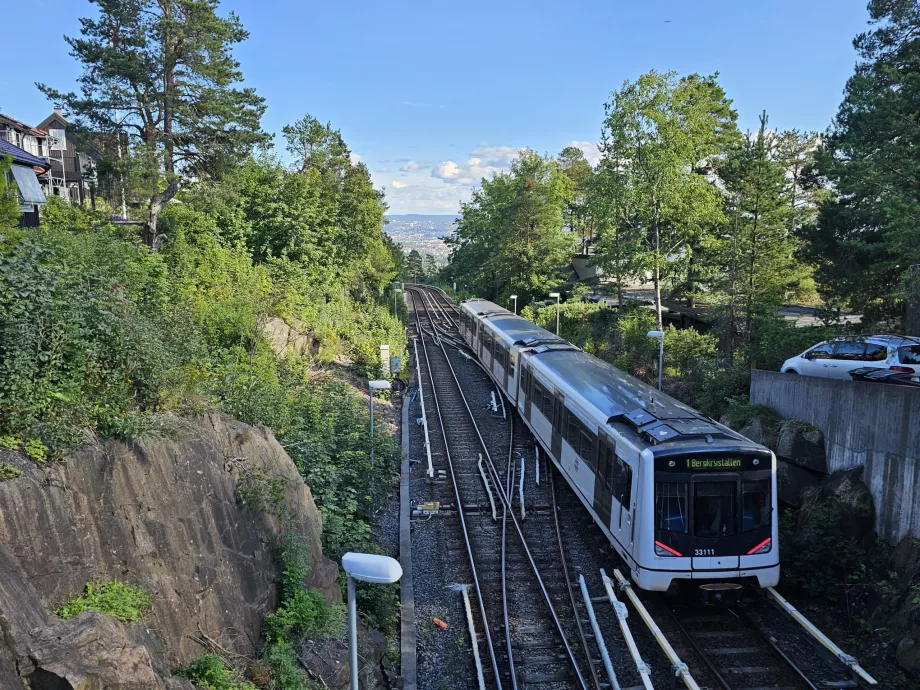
(699, 498)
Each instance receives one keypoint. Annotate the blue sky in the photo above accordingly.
(433, 95)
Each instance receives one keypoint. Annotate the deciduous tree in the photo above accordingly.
(663, 133)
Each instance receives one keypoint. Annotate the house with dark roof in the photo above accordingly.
(24, 172)
(73, 159)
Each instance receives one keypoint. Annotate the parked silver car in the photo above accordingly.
(834, 359)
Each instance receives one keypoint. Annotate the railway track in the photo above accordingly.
(521, 620)
(531, 618)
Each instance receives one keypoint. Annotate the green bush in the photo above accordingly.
(209, 672)
(261, 492)
(78, 348)
(122, 600)
(8, 471)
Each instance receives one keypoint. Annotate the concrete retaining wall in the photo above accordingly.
(873, 425)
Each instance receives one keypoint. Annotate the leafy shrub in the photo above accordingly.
(739, 412)
(303, 612)
(262, 492)
(209, 672)
(76, 350)
(8, 471)
(36, 450)
(122, 600)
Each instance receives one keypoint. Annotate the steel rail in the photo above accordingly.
(509, 478)
(466, 536)
(568, 581)
(507, 502)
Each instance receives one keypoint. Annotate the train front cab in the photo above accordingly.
(713, 519)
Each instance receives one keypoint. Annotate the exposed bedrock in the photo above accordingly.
(163, 515)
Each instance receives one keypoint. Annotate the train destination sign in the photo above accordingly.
(701, 463)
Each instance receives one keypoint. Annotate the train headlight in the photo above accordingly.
(665, 550)
(762, 547)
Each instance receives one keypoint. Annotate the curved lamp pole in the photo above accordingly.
(659, 336)
(514, 297)
(556, 295)
(365, 567)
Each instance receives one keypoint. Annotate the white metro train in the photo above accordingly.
(680, 496)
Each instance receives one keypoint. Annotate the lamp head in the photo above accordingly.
(554, 294)
(658, 335)
(379, 385)
(513, 296)
(369, 567)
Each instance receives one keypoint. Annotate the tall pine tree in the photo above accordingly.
(866, 238)
(163, 71)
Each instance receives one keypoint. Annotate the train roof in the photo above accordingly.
(662, 422)
(514, 328)
(657, 418)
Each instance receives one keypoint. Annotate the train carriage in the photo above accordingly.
(679, 496)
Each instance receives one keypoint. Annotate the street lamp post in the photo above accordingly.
(396, 290)
(514, 297)
(375, 386)
(365, 567)
(556, 295)
(659, 336)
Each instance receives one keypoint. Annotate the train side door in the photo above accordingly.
(525, 387)
(506, 365)
(603, 476)
(558, 425)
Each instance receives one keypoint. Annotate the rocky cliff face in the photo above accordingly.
(163, 515)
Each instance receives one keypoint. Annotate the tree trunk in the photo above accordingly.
(157, 204)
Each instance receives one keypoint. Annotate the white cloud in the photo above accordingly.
(482, 163)
(354, 158)
(448, 170)
(398, 185)
(384, 170)
(411, 166)
(592, 155)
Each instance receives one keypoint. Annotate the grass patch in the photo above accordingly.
(261, 492)
(121, 600)
(209, 672)
(8, 471)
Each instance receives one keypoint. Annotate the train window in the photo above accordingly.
(572, 429)
(714, 509)
(538, 393)
(622, 485)
(755, 504)
(609, 457)
(671, 507)
(510, 365)
(587, 447)
(547, 406)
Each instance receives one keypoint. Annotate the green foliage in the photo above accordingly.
(9, 199)
(510, 237)
(173, 58)
(302, 613)
(739, 412)
(10, 442)
(87, 337)
(659, 136)
(209, 672)
(36, 450)
(122, 600)
(8, 471)
(261, 492)
(865, 240)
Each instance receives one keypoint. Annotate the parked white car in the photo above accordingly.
(835, 359)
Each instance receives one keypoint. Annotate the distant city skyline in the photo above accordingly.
(434, 97)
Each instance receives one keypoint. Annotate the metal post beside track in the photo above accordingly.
(810, 628)
(679, 667)
(621, 613)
